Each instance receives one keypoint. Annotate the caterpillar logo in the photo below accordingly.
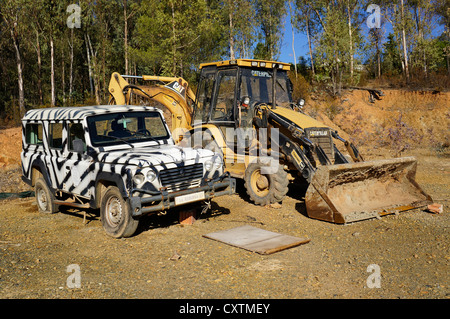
(177, 87)
(318, 133)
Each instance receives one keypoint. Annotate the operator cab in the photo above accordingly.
(229, 92)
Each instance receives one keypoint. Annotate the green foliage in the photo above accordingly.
(173, 37)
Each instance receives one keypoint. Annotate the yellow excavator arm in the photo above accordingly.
(174, 93)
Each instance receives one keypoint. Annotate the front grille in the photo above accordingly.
(182, 177)
(322, 137)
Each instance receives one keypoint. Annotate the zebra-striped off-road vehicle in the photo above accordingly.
(121, 159)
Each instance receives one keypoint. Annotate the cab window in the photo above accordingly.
(223, 108)
(204, 95)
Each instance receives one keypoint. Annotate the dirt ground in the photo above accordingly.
(168, 260)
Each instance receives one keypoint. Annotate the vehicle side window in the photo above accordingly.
(55, 135)
(76, 137)
(34, 134)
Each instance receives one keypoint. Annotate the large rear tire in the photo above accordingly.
(116, 215)
(265, 189)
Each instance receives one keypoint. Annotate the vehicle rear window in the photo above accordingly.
(34, 134)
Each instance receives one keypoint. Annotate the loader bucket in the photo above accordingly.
(346, 193)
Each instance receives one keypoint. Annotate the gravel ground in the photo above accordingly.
(168, 260)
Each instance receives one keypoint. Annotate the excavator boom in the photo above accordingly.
(174, 93)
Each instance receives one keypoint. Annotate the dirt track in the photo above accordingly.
(167, 260)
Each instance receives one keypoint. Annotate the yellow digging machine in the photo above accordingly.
(243, 109)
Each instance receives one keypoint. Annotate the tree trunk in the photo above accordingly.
(405, 49)
(293, 37)
(231, 40)
(379, 60)
(125, 45)
(89, 65)
(71, 66)
(104, 69)
(174, 42)
(52, 71)
(271, 46)
(39, 62)
(350, 40)
(19, 74)
(447, 50)
(308, 35)
(95, 72)
(63, 76)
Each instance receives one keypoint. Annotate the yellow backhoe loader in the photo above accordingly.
(243, 109)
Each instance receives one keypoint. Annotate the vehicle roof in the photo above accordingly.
(250, 63)
(76, 113)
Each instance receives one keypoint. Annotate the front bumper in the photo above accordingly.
(162, 200)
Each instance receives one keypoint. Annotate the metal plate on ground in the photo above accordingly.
(258, 240)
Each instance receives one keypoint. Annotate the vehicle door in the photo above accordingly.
(204, 96)
(77, 164)
(57, 137)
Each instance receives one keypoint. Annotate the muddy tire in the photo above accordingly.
(115, 214)
(44, 197)
(265, 189)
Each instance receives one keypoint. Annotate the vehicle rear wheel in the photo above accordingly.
(265, 189)
(44, 197)
(115, 214)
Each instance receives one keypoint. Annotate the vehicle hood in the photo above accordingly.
(155, 155)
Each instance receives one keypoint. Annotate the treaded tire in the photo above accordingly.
(115, 214)
(44, 197)
(265, 189)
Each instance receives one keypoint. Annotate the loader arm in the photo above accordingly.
(339, 191)
(294, 143)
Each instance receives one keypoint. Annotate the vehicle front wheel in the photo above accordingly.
(115, 214)
(265, 189)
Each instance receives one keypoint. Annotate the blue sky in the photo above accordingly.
(301, 42)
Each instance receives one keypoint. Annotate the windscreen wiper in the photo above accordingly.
(118, 138)
(148, 136)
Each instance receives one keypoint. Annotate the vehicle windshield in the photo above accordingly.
(126, 128)
(257, 84)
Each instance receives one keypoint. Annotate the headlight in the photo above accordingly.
(208, 165)
(151, 175)
(138, 178)
(217, 162)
